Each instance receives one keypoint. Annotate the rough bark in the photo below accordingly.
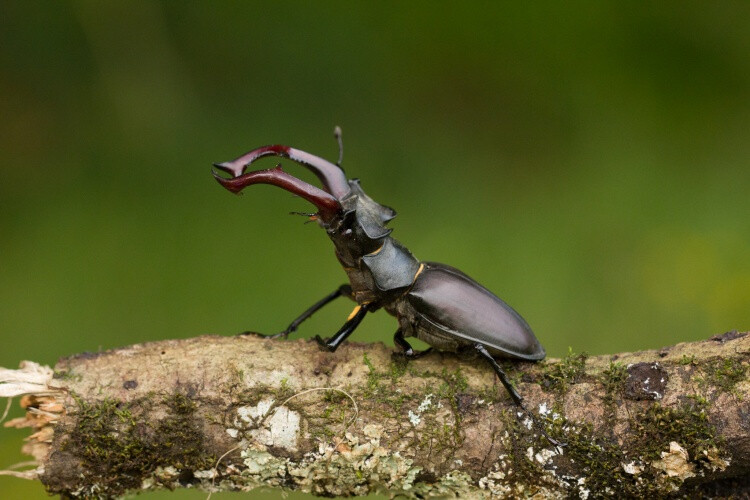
(235, 413)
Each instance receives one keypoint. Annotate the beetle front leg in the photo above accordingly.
(344, 289)
(351, 324)
(517, 399)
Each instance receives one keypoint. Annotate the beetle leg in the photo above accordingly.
(517, 399)
(344, 289)
(406, 349)
(351, 324)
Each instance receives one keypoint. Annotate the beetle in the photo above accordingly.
(433, 302)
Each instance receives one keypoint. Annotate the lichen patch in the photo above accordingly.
(279, 427)
(283, 429)
(632, 468)
(675, 462)
(414, 418)
(374, 431)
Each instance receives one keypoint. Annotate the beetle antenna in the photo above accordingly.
(337, 135)
(311, 217)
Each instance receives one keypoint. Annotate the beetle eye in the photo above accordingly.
(348, 232)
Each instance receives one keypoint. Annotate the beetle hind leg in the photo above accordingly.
(517, 399)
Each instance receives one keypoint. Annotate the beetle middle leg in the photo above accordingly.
(406, 349)
(351, 324)
(517, 399)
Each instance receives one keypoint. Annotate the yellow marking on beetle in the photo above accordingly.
(419, 271)
(414, 280)
(376, 251)
(354, 312)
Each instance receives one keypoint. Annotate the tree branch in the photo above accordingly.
(235, 413)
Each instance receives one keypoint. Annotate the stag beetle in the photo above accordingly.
(433, 302)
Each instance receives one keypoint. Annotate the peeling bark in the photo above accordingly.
(235, 413)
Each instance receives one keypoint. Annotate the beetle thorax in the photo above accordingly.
(376, 264)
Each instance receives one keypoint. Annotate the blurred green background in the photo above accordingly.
(589, 162)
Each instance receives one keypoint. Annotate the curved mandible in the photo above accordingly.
(327, 205)
(333, 178)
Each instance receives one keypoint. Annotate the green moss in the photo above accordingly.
(490, 394)
(599, 460)
(700, 400)
(453, 383)
(569, 370)
(438, 432)
(398, 369)
(688, 425)
(687, 360)
(381, 384)
(614, 377)
(334, 397)
(724, 374)
(520, 468)
(285, 390)
(373, 379)
(117, 449)
(613, 381)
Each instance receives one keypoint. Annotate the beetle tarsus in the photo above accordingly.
(540, 428)
(265, 335)
(351, 324)
(406, 351)
(322, 344)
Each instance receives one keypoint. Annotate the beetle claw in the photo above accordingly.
(282, 335)
(540, 426)
(409, 354)
(322, 344)
(227, 184)
(231, 168)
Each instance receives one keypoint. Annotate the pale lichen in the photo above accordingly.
(279, 428)
(675, 462)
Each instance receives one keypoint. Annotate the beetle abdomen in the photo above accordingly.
(448, 301)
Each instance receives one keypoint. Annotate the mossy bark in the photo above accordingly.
(235, 413)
